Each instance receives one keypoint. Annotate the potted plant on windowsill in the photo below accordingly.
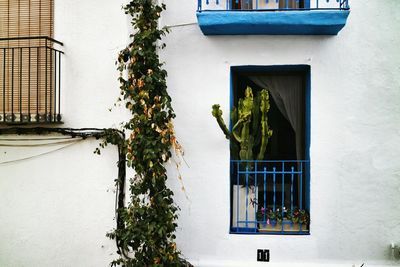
(291, 221)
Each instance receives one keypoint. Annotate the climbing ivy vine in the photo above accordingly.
(145, 235)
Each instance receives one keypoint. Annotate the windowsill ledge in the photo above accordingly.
(307, 22)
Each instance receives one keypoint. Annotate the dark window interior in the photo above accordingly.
(282, 144)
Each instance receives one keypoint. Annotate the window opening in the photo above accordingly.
(270, 192)
(28, 60)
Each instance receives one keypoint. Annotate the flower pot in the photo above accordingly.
(243, 216)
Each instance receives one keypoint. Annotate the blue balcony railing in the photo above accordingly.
(270, 17)
(270, 197)
(272, 5)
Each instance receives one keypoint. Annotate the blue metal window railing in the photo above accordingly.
(271, 5)
(270, 196)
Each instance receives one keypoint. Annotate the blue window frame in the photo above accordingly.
(271, 195)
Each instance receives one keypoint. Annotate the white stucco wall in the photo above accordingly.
(56, 208)
(56, 202)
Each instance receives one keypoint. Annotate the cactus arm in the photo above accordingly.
(234, 116)
(234, 144)
(235, 131)
(264, 141)
(256, 121)
(266, 133)
(245, 115)
(246, 151)
(256, 114)
(217, 113)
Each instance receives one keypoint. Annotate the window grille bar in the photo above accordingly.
(20, 84)
(4, 84)
(301, 186)
(247, 195)
(59, 87)
(255, 192)
(265, 193)
(12, 85)
(55, 86)
(45, 82)
(274, 184)
(283, 192)
(291, 190)
(51, 85)
(37, 82)
(238, 196)
(29, 84)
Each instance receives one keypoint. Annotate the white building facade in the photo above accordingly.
(57, 197)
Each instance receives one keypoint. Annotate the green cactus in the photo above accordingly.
(266, 133)
(248, 114)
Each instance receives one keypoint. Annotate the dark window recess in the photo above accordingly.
(270, 194)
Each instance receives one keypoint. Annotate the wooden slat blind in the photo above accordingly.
(27, 66)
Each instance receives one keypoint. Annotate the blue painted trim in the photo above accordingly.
(253, 231)
(307, 4)
(269, 68)
(231, 103)
(243, 230)
(231, 99)
(308, 137)
(307, 22)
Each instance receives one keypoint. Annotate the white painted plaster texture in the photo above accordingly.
(56, 208)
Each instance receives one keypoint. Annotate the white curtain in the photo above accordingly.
(288, 94)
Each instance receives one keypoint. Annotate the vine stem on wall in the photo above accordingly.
(147, 237)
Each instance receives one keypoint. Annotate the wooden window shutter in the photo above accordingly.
(27, 61)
